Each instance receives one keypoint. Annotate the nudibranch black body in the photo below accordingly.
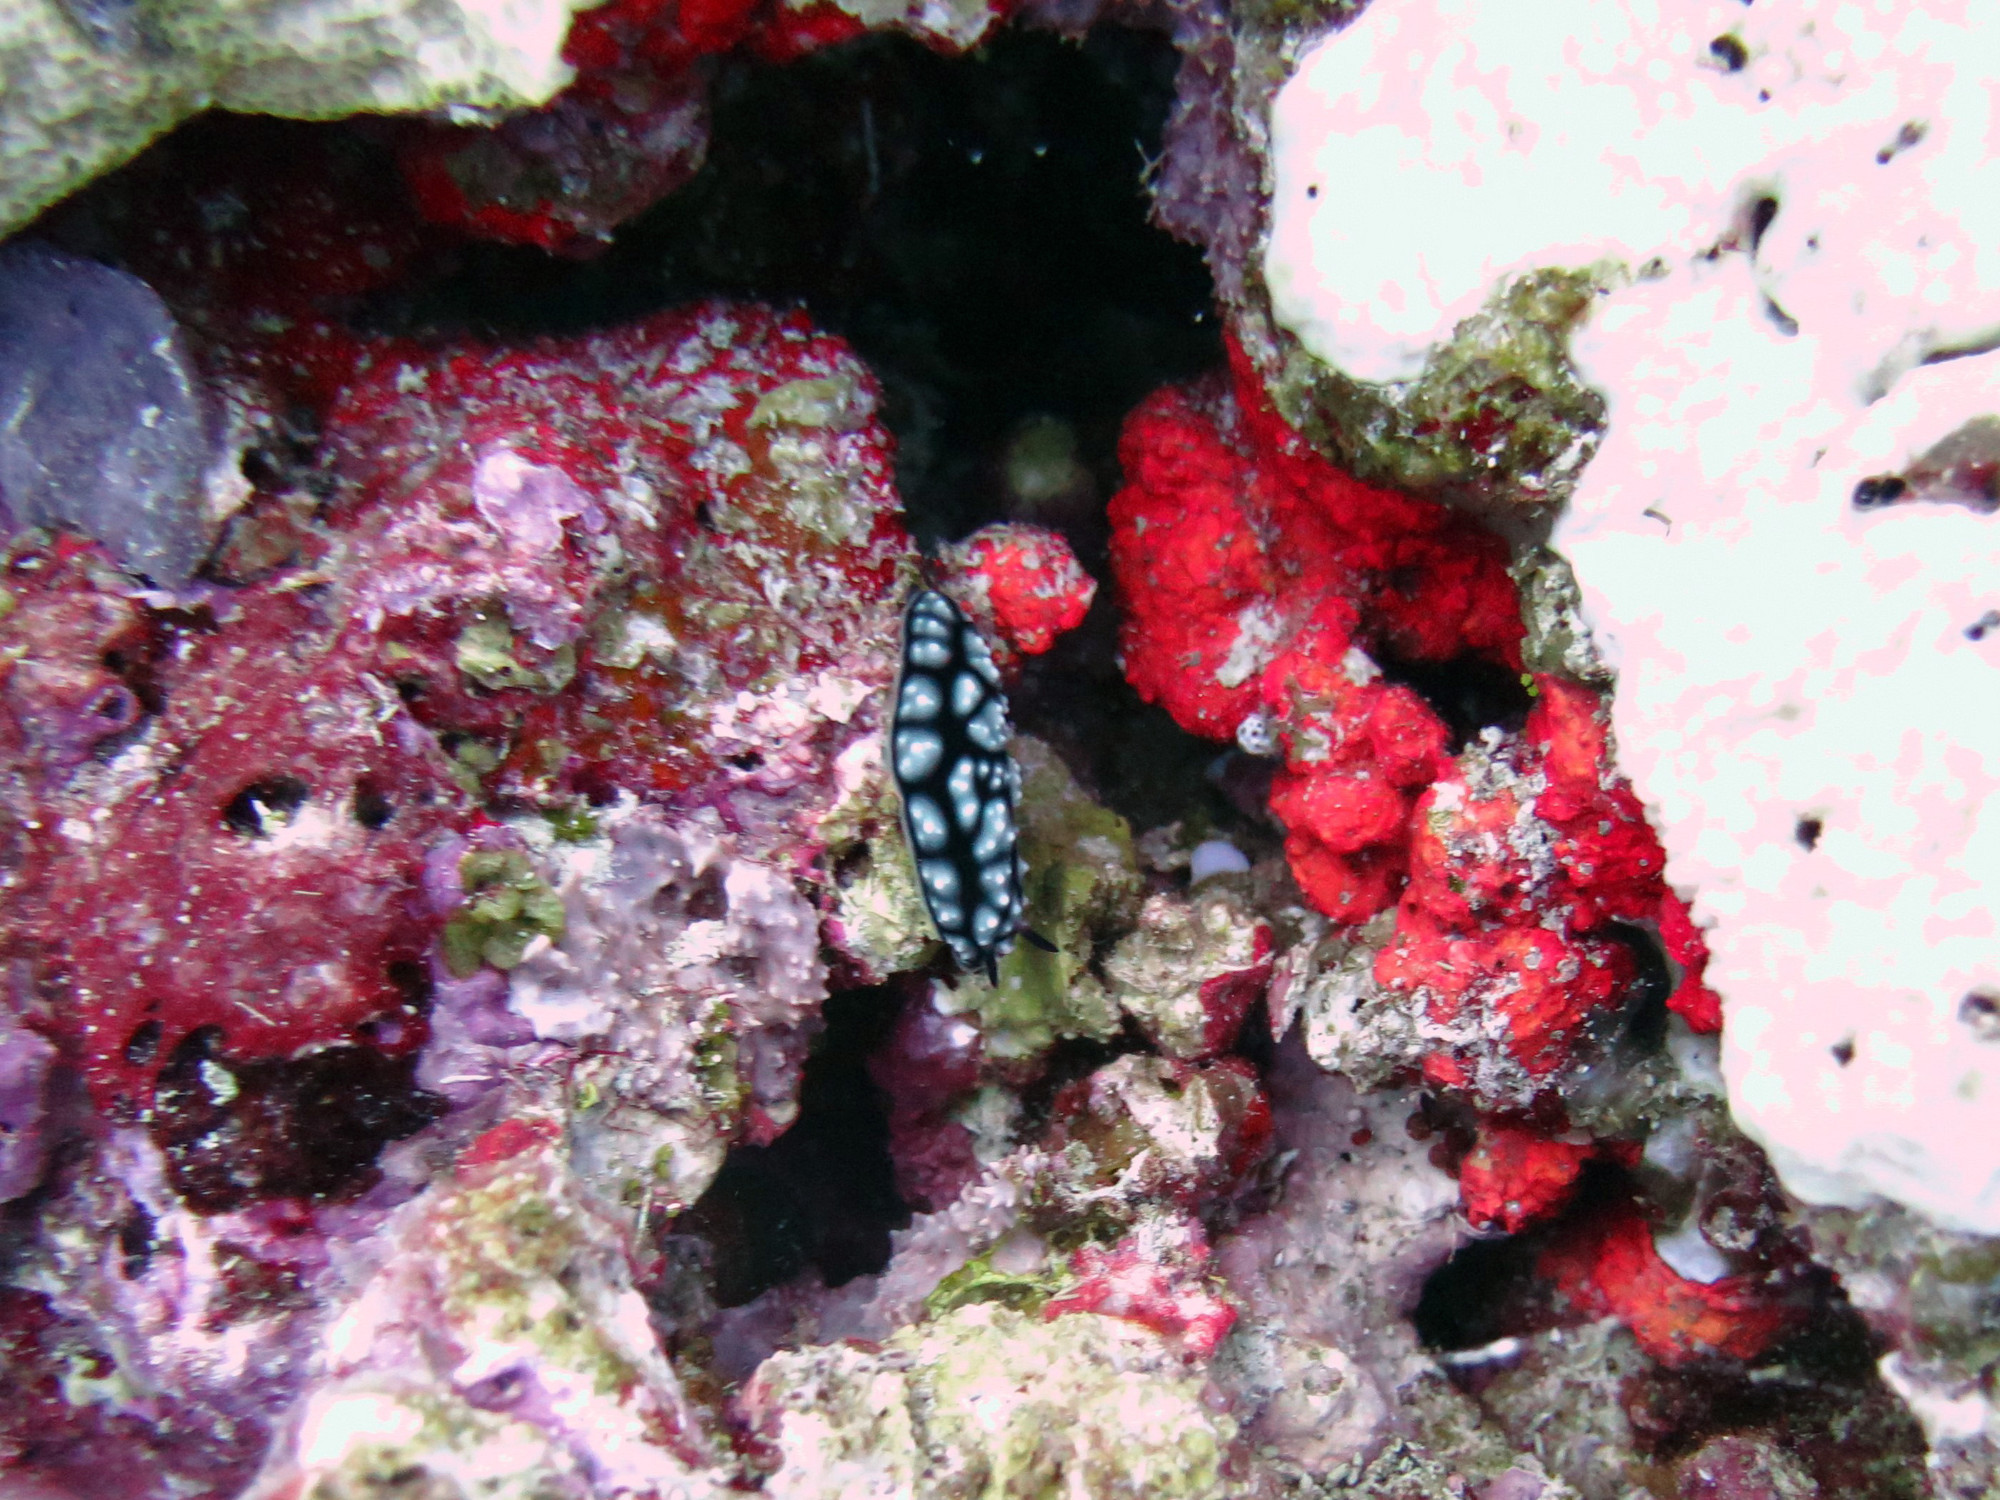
(948, 749)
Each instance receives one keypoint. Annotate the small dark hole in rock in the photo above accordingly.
(1883, 489)
(748, 760)
(708, 899)
(1643, 1020)
(265, 805)
(852, 864)
(372, 810)
(144, 1044)
(135, 1242)
(1843, 1051)
(412, 981)
(1762, 212)
(1730, 52)
(1808, 831)
(1980, 1011)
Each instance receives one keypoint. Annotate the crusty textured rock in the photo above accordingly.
(988, 1402)
(91, 83)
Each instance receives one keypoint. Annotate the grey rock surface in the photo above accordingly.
(101, 420)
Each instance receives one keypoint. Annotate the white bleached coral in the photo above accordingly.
(1791, 208)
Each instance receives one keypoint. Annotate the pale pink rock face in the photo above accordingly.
(1806, 688)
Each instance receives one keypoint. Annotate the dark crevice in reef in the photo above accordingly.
(1489, 1289)
(823, 1194)
(1128, 755)
(307, 1127)
(1642, 1012)
(976, 227)
(1469, 693)
(1817, 1393)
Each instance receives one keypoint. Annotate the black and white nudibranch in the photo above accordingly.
(959, 784)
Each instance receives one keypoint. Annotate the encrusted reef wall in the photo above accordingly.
(1485, 519)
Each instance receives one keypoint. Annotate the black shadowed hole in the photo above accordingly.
(1468, 692)
(235, 1131)
(823, 1194)
(412, 980)
(1730, 52)
(143, 1045)
(117, 705)
(706, 900)
(265, 806)
(976, 227)
(1762, 212)
(1979, 1010)
(1807, 832)
(747, 760)
(1843, 1051)
(372, 807)
(1882, 489)
(1254, 1043)
(411, 689)
(852, 864)
(1489, 1289)
(135, 1242)
(1643, 1015)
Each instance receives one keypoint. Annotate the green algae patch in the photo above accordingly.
(508, 907)
(1082, 888)
(488, 652)
(977, 1281)
(987, 1403)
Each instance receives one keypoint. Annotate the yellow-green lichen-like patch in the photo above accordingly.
(488, 652)
(1498, 416)
(883, 924)
(977, 1281)
(986, 1403)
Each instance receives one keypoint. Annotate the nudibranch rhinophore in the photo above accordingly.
(959, 784)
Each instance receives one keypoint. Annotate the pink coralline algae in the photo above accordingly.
(1151, 1277)
(544, 573)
